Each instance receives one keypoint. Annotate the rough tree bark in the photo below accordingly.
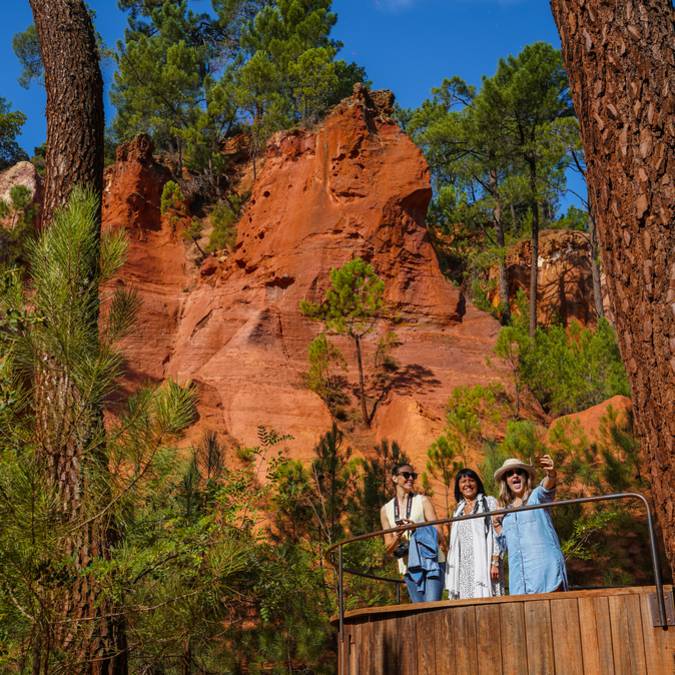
(66, 425)
(74, 100)
(595, 270)
(620, 55)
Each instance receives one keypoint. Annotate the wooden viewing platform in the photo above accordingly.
(596, 632)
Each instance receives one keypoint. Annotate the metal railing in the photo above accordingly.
(658, 583)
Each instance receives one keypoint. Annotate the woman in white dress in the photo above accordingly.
(474, 564)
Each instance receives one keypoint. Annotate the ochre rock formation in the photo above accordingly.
(565, 279)
(354, 186)
(132, 187)
(591, 422)
(22, 173)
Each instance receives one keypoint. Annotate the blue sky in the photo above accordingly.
(407, 46)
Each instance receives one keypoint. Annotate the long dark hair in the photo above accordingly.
(471, 474)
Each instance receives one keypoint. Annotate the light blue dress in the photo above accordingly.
(536, 563)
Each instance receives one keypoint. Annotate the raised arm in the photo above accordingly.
(550, 481)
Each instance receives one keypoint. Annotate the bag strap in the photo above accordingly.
(408, 508)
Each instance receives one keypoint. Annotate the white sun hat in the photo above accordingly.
(513, 463)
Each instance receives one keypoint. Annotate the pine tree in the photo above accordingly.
(351, 307)
(531, 93)
(498, 155)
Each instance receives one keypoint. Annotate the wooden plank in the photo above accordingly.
(374, 662)
(488, 640)
(659, 643)
(462, 628)
(366, 648)
(627, 637)
(352, 653)
(393, 644)
(507, 599)
(426, 648)
(596, 636)
(567, 653)
(539, 637)
(409, 639)
(512, 629)
(446, 643)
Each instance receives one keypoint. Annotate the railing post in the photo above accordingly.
(660, 599)
(341, 611)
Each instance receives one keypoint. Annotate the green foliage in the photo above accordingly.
(567, 369)
(193, 79)
(573, 219)
(19, 215)
(442, 465)
(353, 302)
(223, 218)
(494, 153)
(172, 197)
(291, 73)
(160, 70)
(10, 127)
(49, 328)
(351, 306)
(324, 359)
(471, 411)
(27, 49)
(372, 489)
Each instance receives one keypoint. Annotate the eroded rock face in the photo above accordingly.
(355, 186)
(565, 278)
(592, 421)
(132, 187)
(22, 173)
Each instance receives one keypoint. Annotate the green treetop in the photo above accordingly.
(498, 155)
(190, 79)
(537, 128)
(291, 73)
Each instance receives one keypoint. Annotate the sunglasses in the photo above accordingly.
(408, 475)
(515, 472)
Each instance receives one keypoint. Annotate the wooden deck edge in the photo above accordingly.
(410, 608)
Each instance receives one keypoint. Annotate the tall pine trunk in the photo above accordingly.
(534, 237)
(621, 61)
(69, 429)
(504, 298)
(362, 380)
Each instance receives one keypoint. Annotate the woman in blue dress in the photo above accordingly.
(536, 563)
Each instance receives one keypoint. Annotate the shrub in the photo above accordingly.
(172, 196)
(566, 369)
(224, 217)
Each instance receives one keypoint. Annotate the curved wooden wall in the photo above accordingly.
(580, 632)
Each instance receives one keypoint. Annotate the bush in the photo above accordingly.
(567, 369)
(224, 217)
(172, 196)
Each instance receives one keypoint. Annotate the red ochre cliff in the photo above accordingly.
(354, 186)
